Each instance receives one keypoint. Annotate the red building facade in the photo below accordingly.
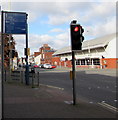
(46, 54)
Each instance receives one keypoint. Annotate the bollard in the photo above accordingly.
(32, 80)
(38, 79)
(5, 76)
(33, 73)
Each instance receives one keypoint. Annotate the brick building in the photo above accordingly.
(43, 56)
(46, 54)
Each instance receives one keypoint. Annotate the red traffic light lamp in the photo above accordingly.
(76, 29)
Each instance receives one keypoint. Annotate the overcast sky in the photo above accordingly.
(49, 21)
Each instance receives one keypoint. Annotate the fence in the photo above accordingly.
(19, 77)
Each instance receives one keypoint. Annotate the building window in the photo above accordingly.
(78, 62)
(82, 61)
(96, 61)
(89, 61)
(66, 59)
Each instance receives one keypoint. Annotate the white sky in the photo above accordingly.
(49, 21)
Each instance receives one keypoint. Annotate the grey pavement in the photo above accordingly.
(22, 101)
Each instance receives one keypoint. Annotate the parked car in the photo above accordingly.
(48, 66)
(34, 65)
(41, 65)
(53, 66)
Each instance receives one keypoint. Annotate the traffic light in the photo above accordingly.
(77, 38)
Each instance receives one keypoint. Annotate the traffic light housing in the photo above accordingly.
(77, 38)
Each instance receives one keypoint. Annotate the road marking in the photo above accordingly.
(69, 102)
(52, 86)
(115, 100)
(52, 71)
(108, 106)
(89, 88)
(91, 102)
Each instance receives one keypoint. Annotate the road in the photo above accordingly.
(97, 87)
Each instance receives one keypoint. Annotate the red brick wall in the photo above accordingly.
(61, 63)
(48, 57)
(37, 53)
(68, 63)
(109, 63)
(56, 61)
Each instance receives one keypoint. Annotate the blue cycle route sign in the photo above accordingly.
(15, 23)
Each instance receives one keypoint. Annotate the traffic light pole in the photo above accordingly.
(27, 67)
(73, 78)
(76, 31)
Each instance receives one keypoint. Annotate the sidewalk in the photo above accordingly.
(22, 101)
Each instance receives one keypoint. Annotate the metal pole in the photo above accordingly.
(27, 67)
(38, 78)
(2, 62)
(73, 78)
(5, 76)
(10, 58)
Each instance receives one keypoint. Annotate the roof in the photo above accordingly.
(63, 50)
(91, 44)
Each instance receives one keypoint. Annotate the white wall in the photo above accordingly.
(37, 59)
(31, 59)
(111, 49)
(96, 53)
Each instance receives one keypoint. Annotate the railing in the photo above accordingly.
(18, 76)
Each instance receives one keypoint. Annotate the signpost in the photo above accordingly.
(12, 23)
(2, 62)
(1, 88)
(15, 23)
